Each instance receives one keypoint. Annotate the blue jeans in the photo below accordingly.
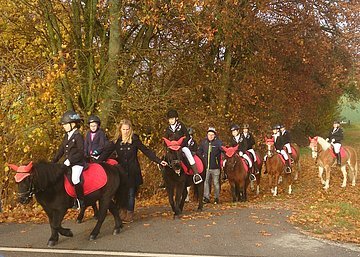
(215, 174)
(131, 198)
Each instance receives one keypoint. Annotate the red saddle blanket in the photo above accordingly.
(199, 164)
(245, 163)
(342, 152)
(94, 179)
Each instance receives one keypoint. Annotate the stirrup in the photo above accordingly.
(252, 177)
(199, 179)
(79, 204)
(288, 170)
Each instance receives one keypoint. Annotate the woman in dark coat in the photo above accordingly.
(127, 146)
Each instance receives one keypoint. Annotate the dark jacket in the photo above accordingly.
(98, 142)
(278, 144)
(338, 135)
(179, 131)
(249, 140)
(242, 143)
(210, 152)
(72, 149)
(285, 137)
(127, 156)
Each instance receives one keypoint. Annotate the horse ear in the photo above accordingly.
(310, 139)
(13, 166)
(167, 141)
(29, 166)
(316, 138)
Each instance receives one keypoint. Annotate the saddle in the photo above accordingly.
(94, 178)
(199, 164)
(342, 152)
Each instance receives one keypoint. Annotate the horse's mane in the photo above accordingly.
(324, 144)
(46, 174)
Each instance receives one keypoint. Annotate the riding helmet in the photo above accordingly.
(211, 129)
(277, 126)
(191, 131)
(336, 122)
(70, 116)
(172, 114)
(234, 127)
(94, 118)
(246, 126)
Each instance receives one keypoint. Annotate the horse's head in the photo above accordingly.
(24, 180)
(173, 154)
(270, 146)
(314, 147)
(230, 157)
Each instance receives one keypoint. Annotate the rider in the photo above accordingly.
(250, 142)
(72, 148)
(95, 139)
(192, 145)
(175, 131)
(239, 140)
(279, 147)
(336, 135)
(286, 140)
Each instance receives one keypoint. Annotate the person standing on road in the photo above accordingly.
(210, 152)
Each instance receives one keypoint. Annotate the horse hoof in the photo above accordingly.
(176, 216)
(199, 210)
(92, 237)
(78, 221)
(116, 231)
(51, 243)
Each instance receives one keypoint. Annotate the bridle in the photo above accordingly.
(30, 191)
(270, 146)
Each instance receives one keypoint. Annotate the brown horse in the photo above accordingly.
(323, 154)
(275, 167)
(237, 174)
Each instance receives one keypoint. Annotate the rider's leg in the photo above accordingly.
(288, 148)
(247, 158)
(287, 161)
(76, 171)
(337, 147)
(197, 178)
(256, 168)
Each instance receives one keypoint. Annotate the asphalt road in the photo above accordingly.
(214, 232)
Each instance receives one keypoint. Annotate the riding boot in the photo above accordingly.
(252, 175)
(80, 195)
(338, 159)
(291, 158)
(288, 167)
(196, 178)
(256, 168)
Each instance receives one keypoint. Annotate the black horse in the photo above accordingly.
(46, 181)
(176, 180)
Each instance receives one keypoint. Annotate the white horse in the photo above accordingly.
(325, 158)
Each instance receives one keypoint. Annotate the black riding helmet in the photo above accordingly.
(94, 118)
(172, 114)
(277, 126)
(69, 117)
(234, 127)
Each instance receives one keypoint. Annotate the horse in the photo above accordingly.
(177, 178)
(46, 181)
(325, 158)
(275, 167)
(237, 173)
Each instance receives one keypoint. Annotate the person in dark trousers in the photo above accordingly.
(238, 139)
(72, 148)
(95, 139)
(210, 151)
(336, 135)
(175, 131)
(127, 146)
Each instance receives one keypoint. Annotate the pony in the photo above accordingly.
(275, 167)
(237, 173)
(46, 181)
(177, 177)
(324, 157)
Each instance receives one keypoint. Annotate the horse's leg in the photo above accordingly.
(321, 171)
(55, 219)
(276, 182)
(178, 194)
(252, 187)
(343, 170)
(183, 197)
(104, 204)
(297, 170)
(354, 174)
(327, 177)
(170, 192)
(233, 191)
(114, 210)
(289, 179)
(271, 183)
